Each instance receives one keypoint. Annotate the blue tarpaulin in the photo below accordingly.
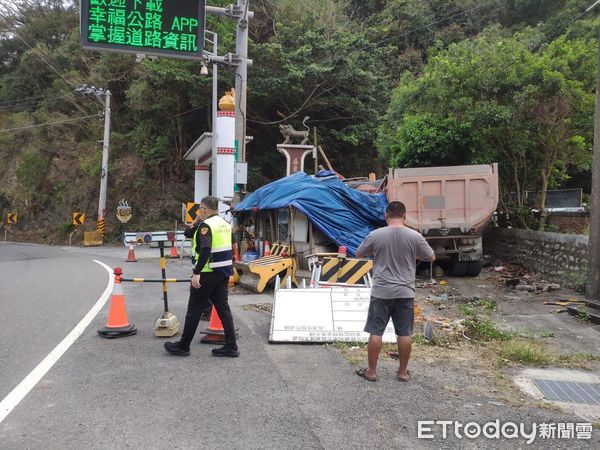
(343, 214)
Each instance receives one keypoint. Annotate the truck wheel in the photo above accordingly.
(459, 268)
(474, 268)
(465, 268)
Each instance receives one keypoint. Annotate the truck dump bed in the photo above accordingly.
(446, 201)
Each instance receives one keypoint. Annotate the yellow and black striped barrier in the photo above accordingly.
(345, 270)
(330, 269)
(256, 274)
(155, 280)
(101, 227)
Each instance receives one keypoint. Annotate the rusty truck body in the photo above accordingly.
(450, 207)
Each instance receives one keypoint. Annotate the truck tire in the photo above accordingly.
(465, 268)
(459, 268)
(474, 268)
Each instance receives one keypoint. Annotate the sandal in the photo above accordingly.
(363, 374)
(404, 379)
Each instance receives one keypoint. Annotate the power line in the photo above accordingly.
(557, 29)
(35, 8)
(38, 52)
(293, 114)
(483, 5)
(437, 21)
(16, 104)
(187, 112)
(10, 103)
(573, 19)
(592, 6)
(6, 130)
(443, 19)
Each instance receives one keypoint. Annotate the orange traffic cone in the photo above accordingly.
(215, 334)
(236, 253)
(174, 250)
(131, 254)
(117, 324)
(267, 249)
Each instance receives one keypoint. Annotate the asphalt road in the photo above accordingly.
(128, 393)
(44, 293)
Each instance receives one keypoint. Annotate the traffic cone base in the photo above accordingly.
(117, 324)
(131, 254)
(215, 334)
(214, 339)
(112, 333)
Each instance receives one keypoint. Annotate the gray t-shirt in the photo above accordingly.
(395, 251)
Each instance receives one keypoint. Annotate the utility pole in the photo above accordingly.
(592, 290)
(99, 93)
(241, 78)
(101, 224)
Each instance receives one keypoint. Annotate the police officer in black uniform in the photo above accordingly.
(212, 261)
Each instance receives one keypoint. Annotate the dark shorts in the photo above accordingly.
(400, 310)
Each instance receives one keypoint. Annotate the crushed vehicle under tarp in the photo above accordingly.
(344, 215)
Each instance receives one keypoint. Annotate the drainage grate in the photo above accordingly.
(569, 391)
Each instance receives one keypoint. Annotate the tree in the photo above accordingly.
(335, 75)
(498, 98)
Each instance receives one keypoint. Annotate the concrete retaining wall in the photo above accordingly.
(561, 258)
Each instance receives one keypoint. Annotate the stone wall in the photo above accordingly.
(561, 258)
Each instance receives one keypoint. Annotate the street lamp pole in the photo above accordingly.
(241, 13)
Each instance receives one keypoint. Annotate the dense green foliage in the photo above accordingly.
(493, 98)
(385, 82)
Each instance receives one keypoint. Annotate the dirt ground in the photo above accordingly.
(475, 336)
(482, 338)
(518, 331)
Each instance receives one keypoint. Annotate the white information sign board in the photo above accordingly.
(322, 315)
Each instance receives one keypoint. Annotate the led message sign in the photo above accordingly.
(152, 27)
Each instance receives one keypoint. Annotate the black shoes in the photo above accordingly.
(225, 351)
(175, 348)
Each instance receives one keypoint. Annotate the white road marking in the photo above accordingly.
(22, 389)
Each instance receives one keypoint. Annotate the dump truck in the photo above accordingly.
(450, 207)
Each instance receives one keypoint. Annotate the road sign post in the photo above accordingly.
(191, 211)
(11, 219)
(78, 221)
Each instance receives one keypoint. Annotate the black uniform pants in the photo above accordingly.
(213, 289)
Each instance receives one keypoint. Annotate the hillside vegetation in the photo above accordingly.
(386, 83)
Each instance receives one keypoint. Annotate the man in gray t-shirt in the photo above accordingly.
(395, 250)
